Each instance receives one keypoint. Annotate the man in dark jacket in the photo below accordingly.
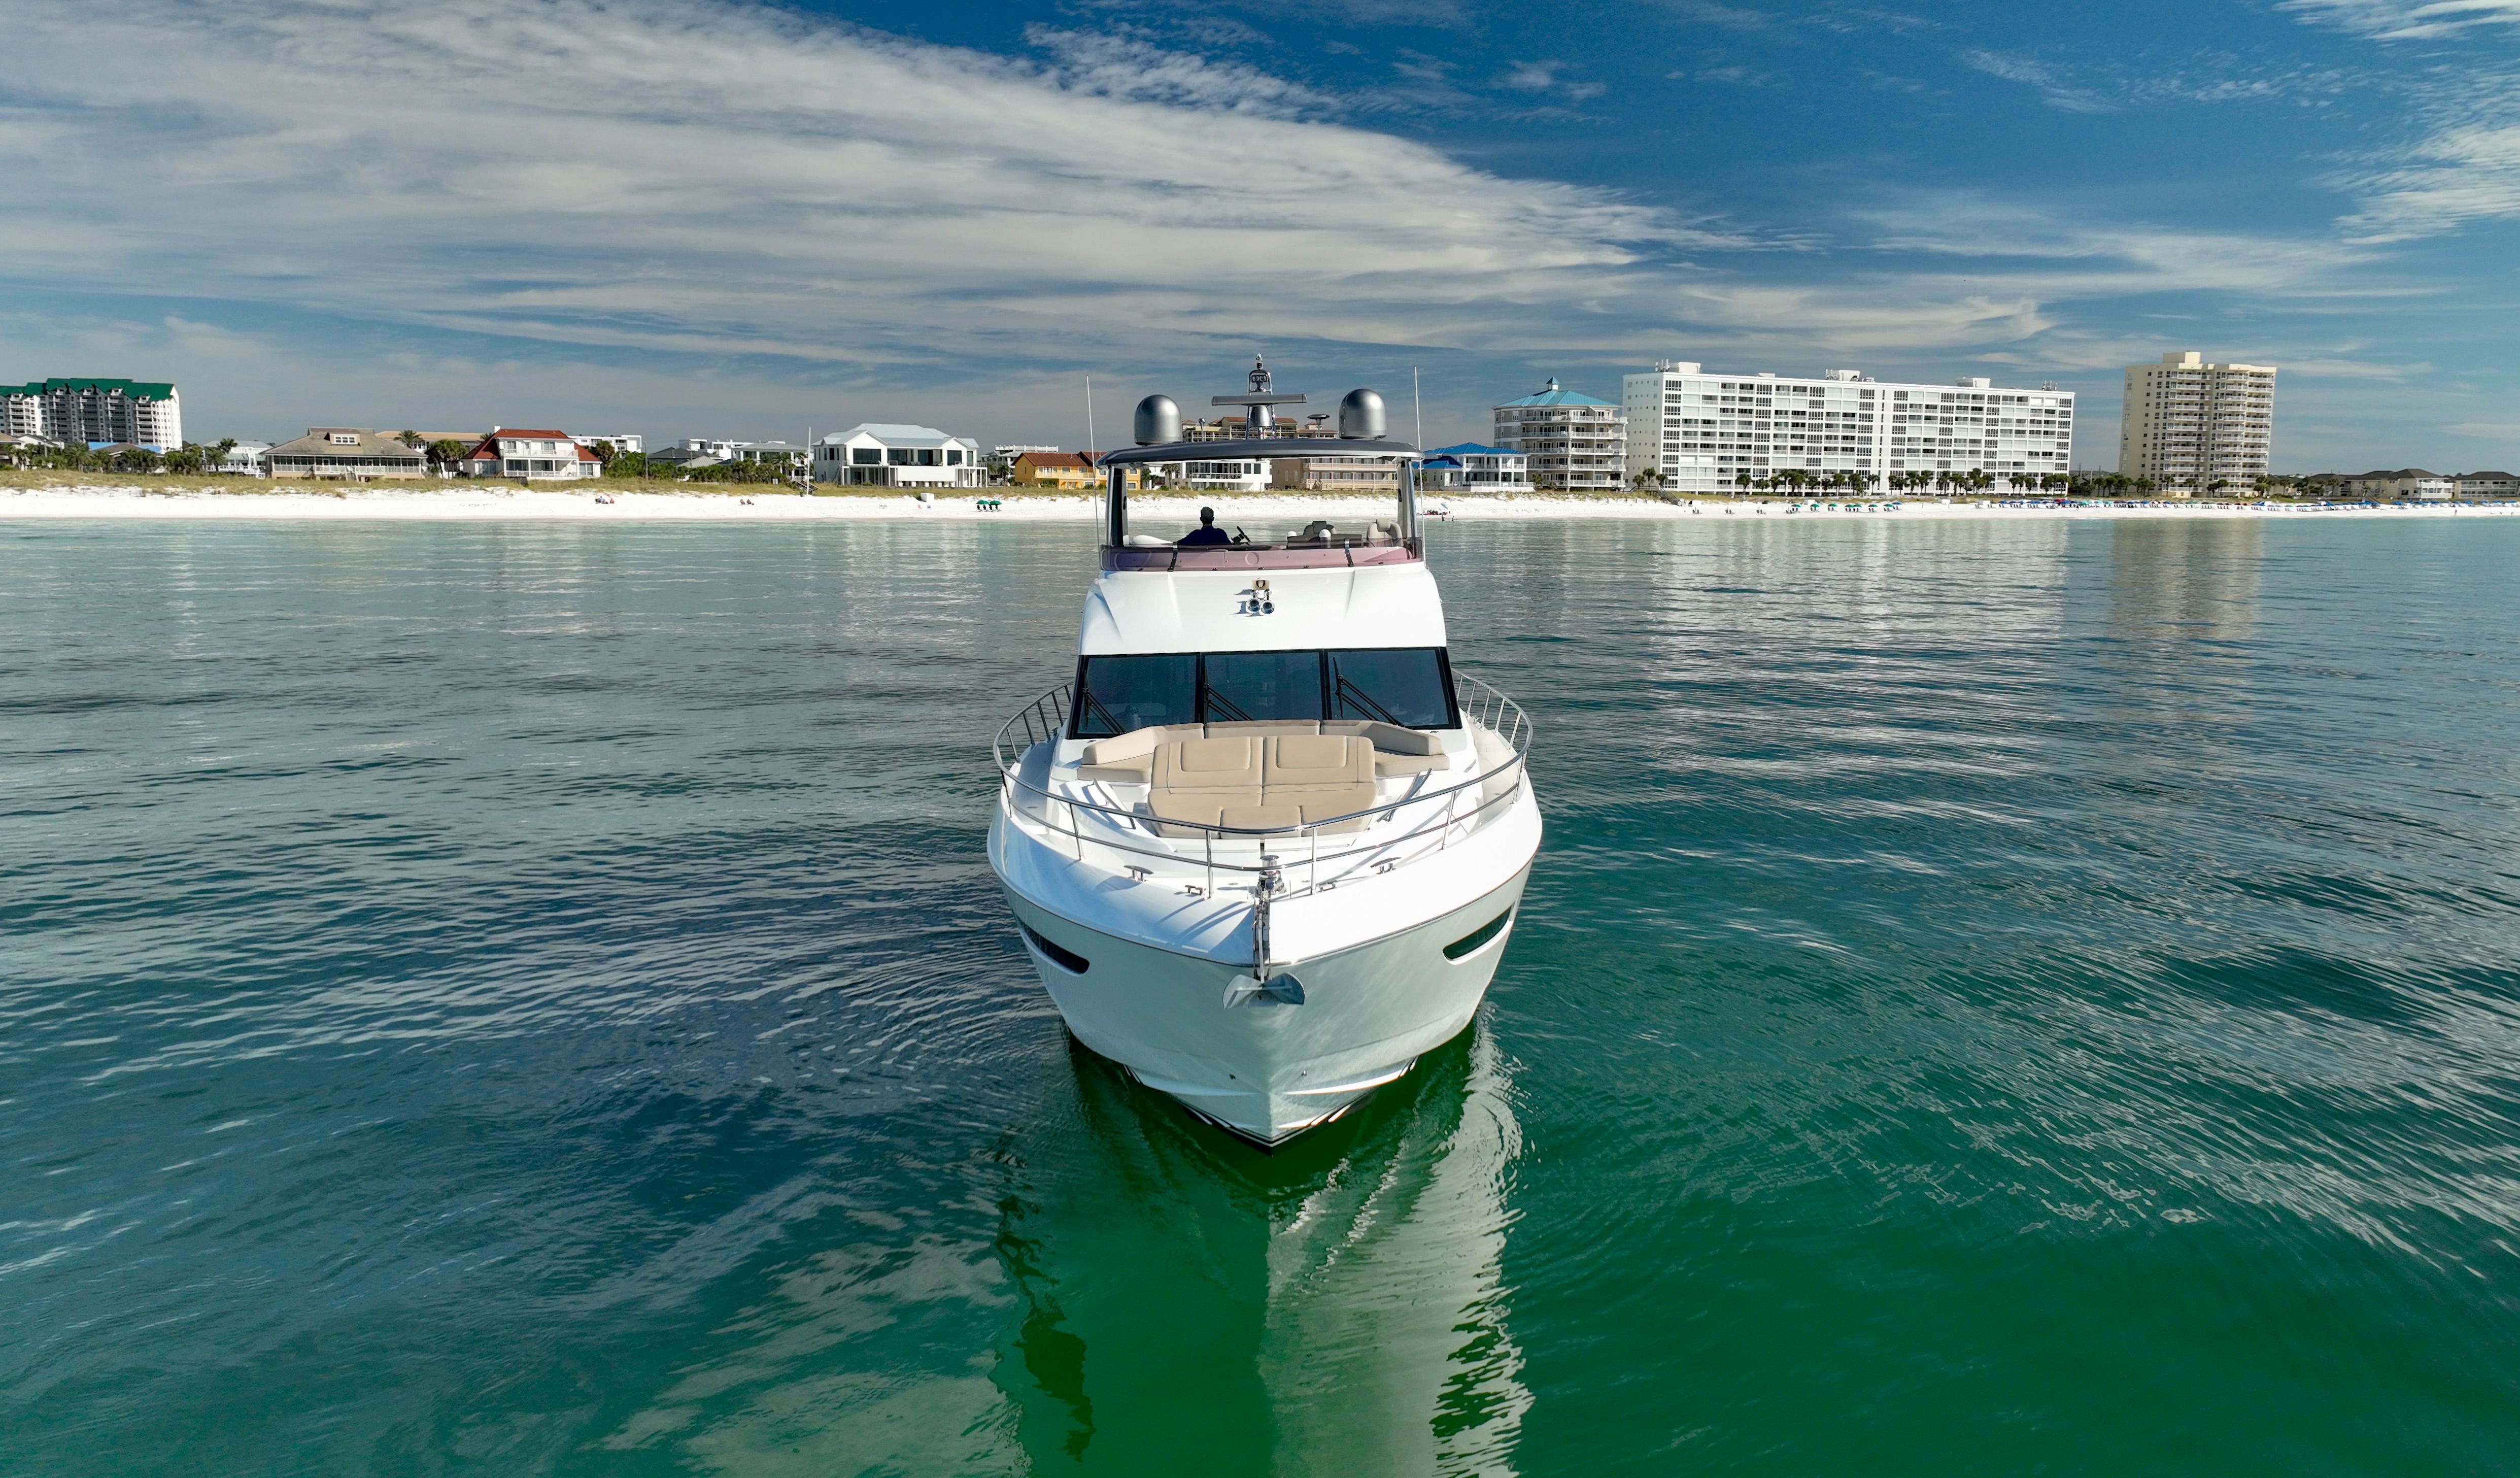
(1208, 532)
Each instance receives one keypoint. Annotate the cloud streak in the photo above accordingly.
(2408, 20)
(737, 180)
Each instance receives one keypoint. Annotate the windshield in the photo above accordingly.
(1409, 686)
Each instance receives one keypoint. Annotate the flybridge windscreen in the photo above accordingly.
(1409, 686)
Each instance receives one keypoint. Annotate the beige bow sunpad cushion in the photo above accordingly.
(1258, 780)
(1129, 759)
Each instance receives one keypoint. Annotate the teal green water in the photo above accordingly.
(1996, 999)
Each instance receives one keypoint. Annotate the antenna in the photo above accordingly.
(1416, 407)
(1259, 400)
(1089, 413)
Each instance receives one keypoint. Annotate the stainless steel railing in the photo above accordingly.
(1120, 829)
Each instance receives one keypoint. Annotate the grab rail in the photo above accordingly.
(1045, 719)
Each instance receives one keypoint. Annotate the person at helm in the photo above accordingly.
(1208, 532)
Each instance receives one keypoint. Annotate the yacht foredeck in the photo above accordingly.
(1308, 804)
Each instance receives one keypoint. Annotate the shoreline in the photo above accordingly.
(138, 500)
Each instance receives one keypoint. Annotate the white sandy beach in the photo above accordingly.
(459, 501)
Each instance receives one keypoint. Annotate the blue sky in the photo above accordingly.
(690, 217)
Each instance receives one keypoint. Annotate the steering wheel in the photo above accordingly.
(1240, 537)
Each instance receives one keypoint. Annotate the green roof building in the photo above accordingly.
(93, 411)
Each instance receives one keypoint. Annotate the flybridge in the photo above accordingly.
(1362, 431)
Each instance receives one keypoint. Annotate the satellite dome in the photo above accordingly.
(1158, 420)
(1360, 417)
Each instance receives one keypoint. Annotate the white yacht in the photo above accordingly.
(1266, 848)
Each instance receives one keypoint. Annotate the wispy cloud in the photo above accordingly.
(1125, 66)
(2408, 20)
(1544, 76)
(2031, 73)
(2463, 174)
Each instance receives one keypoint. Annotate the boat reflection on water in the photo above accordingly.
(1186, 1303)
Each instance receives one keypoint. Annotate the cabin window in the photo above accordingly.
(1404, 685)
(1261, 685)
(1408, 686)
(1116, 695)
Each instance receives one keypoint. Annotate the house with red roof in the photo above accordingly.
(520, 452)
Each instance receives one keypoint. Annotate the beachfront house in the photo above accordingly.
(1070, 471)
(1336, 474)
(885, 454)
(353, 453)
(252, 459)
(2406, 483)
(786, 457)
(532, 453)
(1473, 467)
(2492, 487)
(1239, 474)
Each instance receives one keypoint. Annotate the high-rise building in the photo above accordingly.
(93, 411)
(1704, 431)
(2189, 424)
(1573, 440)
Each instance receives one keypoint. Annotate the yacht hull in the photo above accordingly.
(1264, 1068)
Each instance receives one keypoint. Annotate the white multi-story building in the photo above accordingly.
(884, 455)
(1470, 468)
(1703, 433)
(1242, 475)
(2188, 424)
(95, 413)
(620, 443)
(1572, 440)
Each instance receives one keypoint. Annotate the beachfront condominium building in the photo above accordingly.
(1572, 440)
(1702, 432)
(884, 453)
(2188, 424)
(95, 413)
